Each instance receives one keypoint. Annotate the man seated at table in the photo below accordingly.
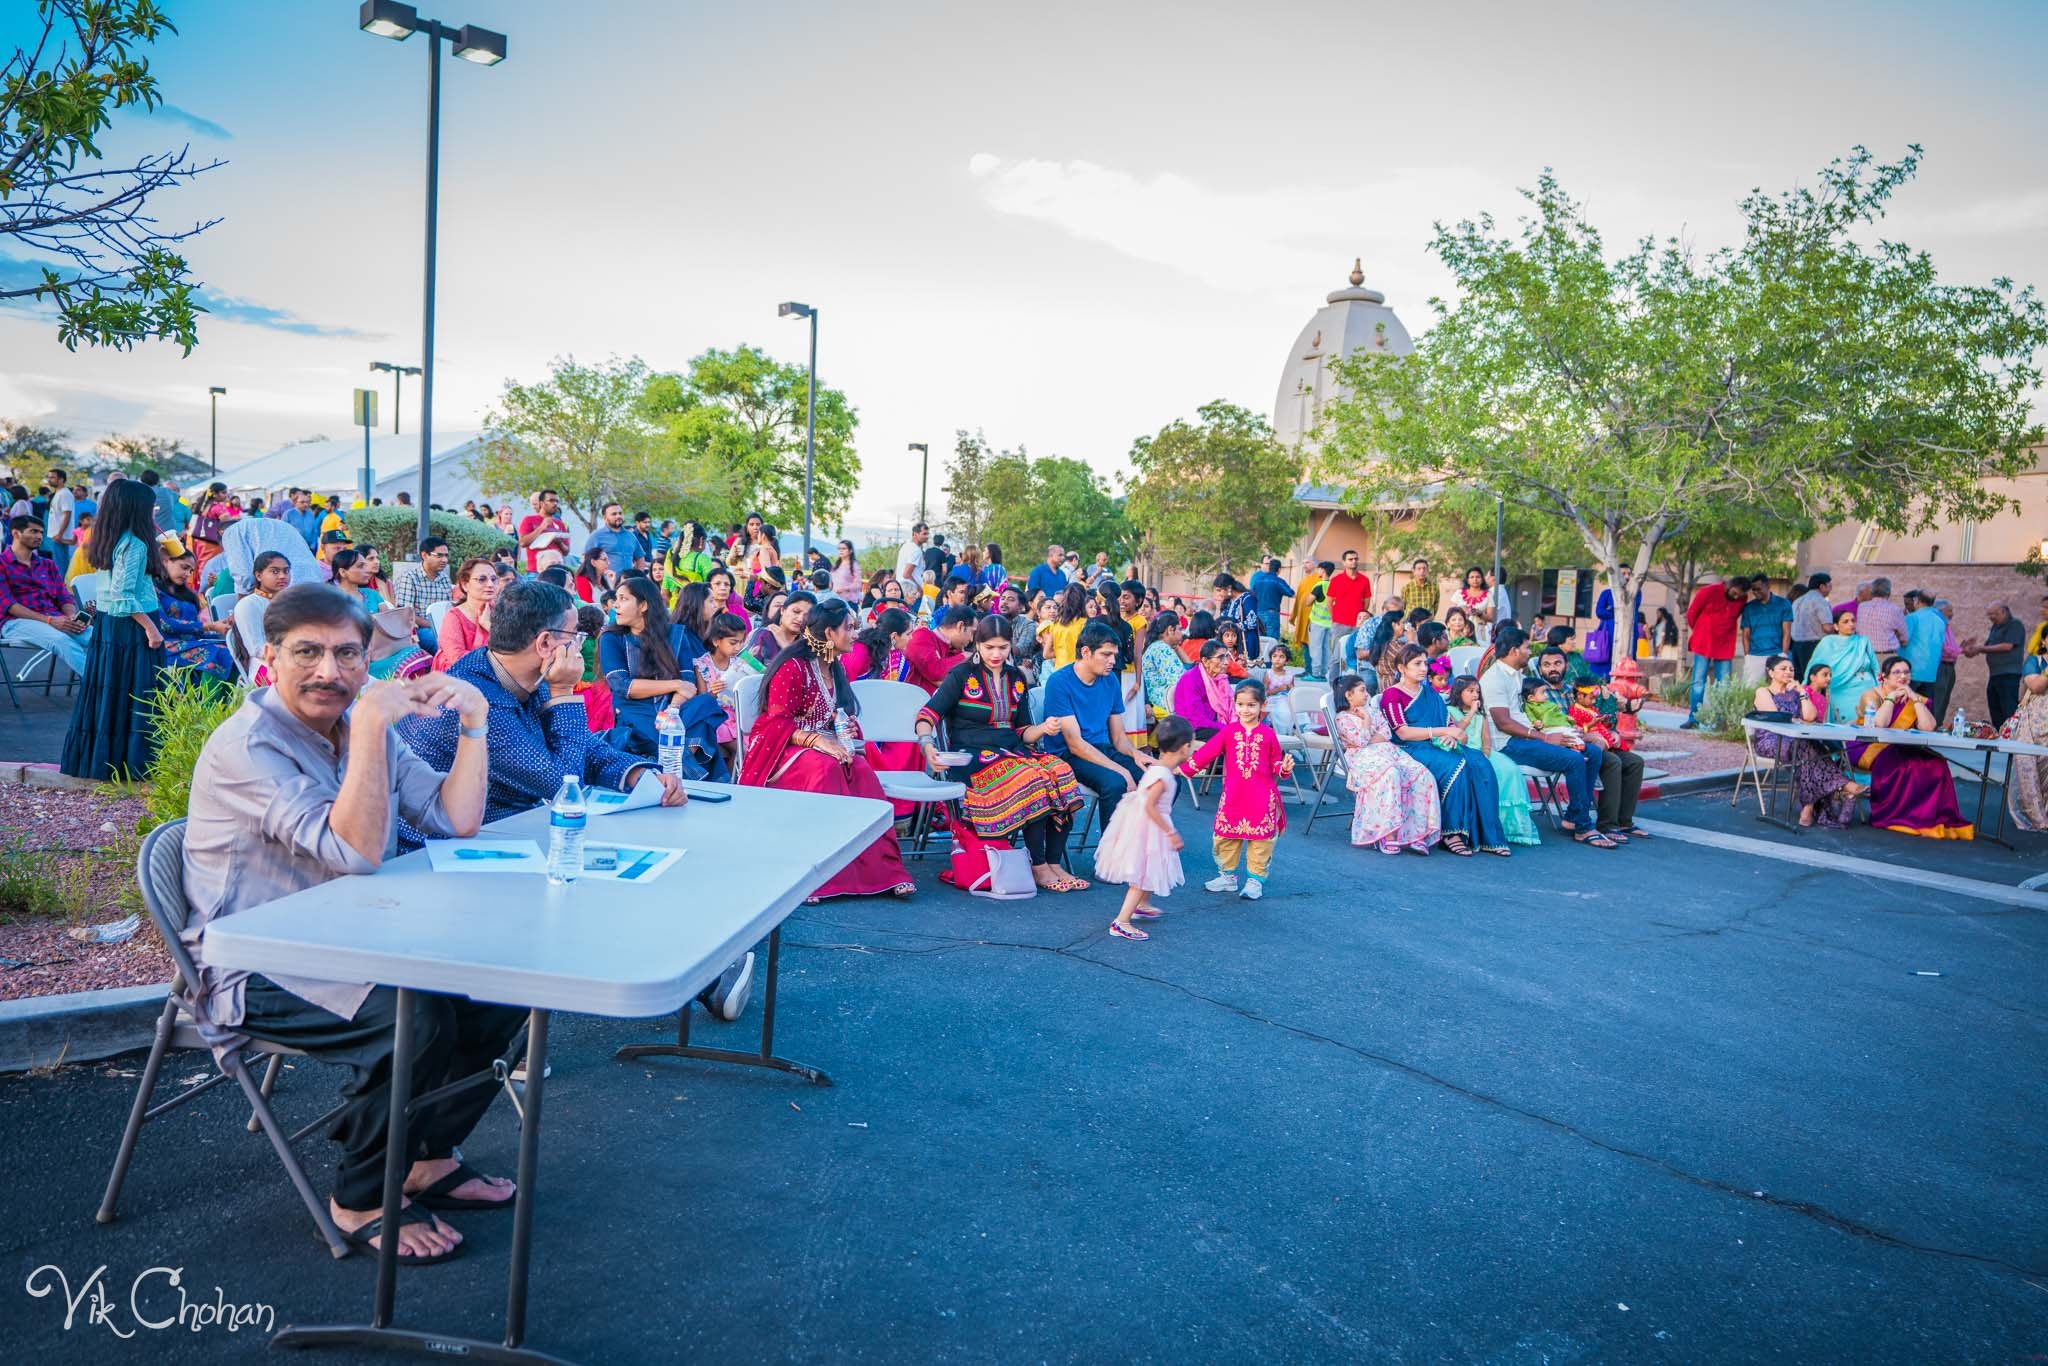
(539, 731)
(295, 789)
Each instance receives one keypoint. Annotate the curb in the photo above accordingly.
(23, 774)
(1691, 782)
(79, 1026)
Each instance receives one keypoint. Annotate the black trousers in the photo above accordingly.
(1045, 840)
(452, 1037)
(1621, 782)
(1106, 783)
(2003, 693)
(1802, 651)
(1944, 687)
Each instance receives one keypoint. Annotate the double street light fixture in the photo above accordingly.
(388, 19)
(793, 310)
(398, 374)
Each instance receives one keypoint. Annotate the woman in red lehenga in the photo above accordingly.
(795, 746)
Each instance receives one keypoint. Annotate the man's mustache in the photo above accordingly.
(334, 688)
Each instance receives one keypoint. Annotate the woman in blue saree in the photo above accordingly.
(1854, 664)
(1464, 779)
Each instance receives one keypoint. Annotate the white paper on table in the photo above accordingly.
(636, 863)
(486, 856)
(646, 792)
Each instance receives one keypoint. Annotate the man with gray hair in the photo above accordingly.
(1880, 621)
(307, 781)
(2004, 651)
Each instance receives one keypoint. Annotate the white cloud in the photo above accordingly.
(1263, 239)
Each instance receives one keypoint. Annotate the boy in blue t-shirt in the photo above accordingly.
(1088, 696)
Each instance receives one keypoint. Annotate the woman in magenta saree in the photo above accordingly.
(1910, 787)
(794, 745)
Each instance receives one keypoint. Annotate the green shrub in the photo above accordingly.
(182, 713)
(29, 882)
(395, 533)
(1722, 709)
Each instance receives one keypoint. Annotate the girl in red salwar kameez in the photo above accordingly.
(794, 745)
(1248, 817)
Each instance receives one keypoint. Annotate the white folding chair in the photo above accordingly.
(1464, 658)
(1547, 792)
(746, 705)
(436, 611)
(1332, 765)
(86, 588)
(888, 715)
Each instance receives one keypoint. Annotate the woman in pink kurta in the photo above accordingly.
(794, 745)
(1249, 817)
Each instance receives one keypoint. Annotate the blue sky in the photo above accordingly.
(1066, 224)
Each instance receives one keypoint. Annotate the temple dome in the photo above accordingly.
(1354, 319)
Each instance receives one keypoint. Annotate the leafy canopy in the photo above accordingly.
(736, 419)
(1030, 503)
(1805, 375)
(103, 261)
(1215, 494)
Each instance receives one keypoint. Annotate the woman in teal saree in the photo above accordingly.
(1854, 664)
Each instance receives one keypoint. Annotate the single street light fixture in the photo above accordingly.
(398, 374)
(213, 452)
(388, 19)
(793, 310)
(923, 471)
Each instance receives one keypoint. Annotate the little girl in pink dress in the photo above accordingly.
(1141, 849)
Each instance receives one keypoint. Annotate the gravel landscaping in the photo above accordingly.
(75, 848)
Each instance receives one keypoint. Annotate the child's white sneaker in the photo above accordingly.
(1222, 882)
(1254, 888)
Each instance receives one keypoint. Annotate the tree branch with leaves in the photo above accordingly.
(1802, 377)
(101, 258)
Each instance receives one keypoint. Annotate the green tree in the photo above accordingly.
(585, 432)
(1034, 502)
(131, 455)
(111, 271)
(737, 418)
(27, 450)
(1215, 494)
(966, 489)
(1800, 376)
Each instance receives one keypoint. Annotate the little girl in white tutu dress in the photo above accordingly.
(1141, 849)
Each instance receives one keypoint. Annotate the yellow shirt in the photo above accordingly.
(1065, 641)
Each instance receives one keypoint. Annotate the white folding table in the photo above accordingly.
(592, 947)
(1950, 746)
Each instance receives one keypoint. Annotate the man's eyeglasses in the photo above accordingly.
(308, 656)
(569, 638)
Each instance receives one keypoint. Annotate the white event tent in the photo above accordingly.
(336, 466)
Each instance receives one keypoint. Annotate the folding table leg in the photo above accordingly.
(683, 1048)
(379, 1332)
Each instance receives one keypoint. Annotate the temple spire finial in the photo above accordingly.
(1357, 272)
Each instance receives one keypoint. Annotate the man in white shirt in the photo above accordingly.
(63, 524)
(1500, 692)
(910, 559)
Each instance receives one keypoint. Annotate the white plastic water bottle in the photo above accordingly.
(1959, 726)
(566, 820)
(843, 726)
(669, 742)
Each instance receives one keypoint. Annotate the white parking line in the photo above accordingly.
(2003, 893)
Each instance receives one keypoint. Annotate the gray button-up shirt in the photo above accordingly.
(262, 796)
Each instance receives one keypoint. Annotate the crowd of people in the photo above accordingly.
(386, 713)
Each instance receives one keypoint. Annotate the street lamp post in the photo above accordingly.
(803, 556)
(398, 374)
(923, 473)
(389, 19)
(213, 394)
